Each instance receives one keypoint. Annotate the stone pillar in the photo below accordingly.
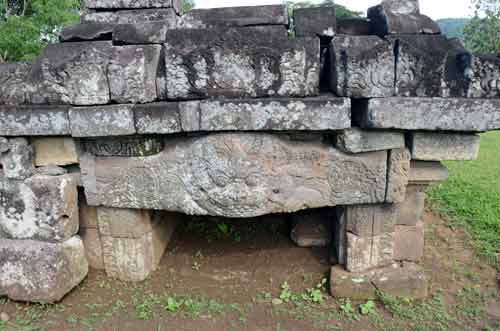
(89, 232)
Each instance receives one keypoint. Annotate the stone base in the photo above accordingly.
(400, 280)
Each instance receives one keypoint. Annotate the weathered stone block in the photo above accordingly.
(124, 223)
(312, 228)
(15, 84)
(354, 26)
(240, 62)
(164, 117)
(398, 173)
(128, 146)
(436, 146)
(39, 208)
(234, 17)
(406, 281)
(142, 33)
(364, 253)
(236, 175)
(400, 17)
(93, 247)
(409, 242)
(41, 272)
(59, 151)
(362, 66)
(130, 16)
(411, 210)
(467, 115)
(125, 4)
(16, 158)
(426, 172)
(34, 120)
(370, 220)
(100, 121)
(132, 73)
(355, 140)
(318, 21)
(87, 32)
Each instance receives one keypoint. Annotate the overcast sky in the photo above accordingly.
(434, 8)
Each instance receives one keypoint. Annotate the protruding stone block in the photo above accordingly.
(128, 146)
(242, 62)
(87, 32)
(317, 21)
(128, 4)
(312, 228)
(467, 115)
(355, 140)
(362, 66)
(398, 173)
(411, 210)
(59, 151)
(34, 120)
(409, 242)
(426, 173)
(437, 146)
(364, 253)
(93, 247)
(130, 16)
(354, 26)
(41, 272)
(39, 208)
(132, 73)
(142, 33)
(370, 220)
(101, 121)
(16, 158)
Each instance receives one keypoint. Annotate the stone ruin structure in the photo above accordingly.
(142, 116)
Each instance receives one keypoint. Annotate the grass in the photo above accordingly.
(471, 197)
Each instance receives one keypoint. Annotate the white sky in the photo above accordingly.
(436, 9)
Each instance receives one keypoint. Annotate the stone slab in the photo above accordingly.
(240, 62)
(354, 26)
(126, 4)
(361, 66)
(317, 21)
(130, 16)
(124, 223)
(126, 146)
(142, 32)
(370, 220)
(364, 253)
(93, 247)
(39, 208)
(163, 117)
(355, 140)
(41, 272)
(99, 121)
(427, 172)
(411, 210)
(437, 146)
(409, 242)
(59, 151)
(467, 115)
(312, 228)
(87, 32)
(34, 120)
(398, 174)
(16, 158)
(236, 175)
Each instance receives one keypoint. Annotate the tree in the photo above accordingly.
(187, 5)
(482, 34)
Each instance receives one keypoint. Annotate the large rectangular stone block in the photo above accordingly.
(364, 253)
(125, 146)
(125, 4)
(100, 121)
(398, 173)
(409, 242)
(370, 220)
(362, 66)
(355, 140)
(165, 117)
(468, 115)
(15, 83)
(34, 120)
(87, 32)
(142, 33)
(39, 208)
(240, 62)
(236, 175)
(41, 272)
(93, 247)
(312, 22)
(437, 146)
(59, 151)
(130, 16)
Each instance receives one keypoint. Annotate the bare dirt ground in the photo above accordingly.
(233, 280)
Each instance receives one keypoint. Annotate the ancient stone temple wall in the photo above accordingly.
(142, 117)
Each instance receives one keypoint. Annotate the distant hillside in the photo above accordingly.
(453, 27)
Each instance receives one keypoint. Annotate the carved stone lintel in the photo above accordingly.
(127, 146)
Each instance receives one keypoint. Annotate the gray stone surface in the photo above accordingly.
(34, 120)
(411, 210)
(16, 158)
(400, 17)
(132, 73)
(318, 21)
(142, 32)
(354, 26)
(59, 151)
(39, 208)
(113, 120)
(364, 253)
(312, 228)
(163, 117)
(409, 242)
(125, 4)
(426, 172)
(127, 146)
(370, 220)
(398, 174)
(87, 32)
(130, 16)
(234, 17)
(236, 175)
(355, 140)
(41, 272)
(93, 247)
(124, 223)
(15, 84)
(468, 115)
(240, 62)
(437, 146)
(362, 66)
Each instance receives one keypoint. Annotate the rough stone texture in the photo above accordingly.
(312, 228)
(59, 151)
(370, 220)
(437, 146)
(165, 117)
(16, 158)
(125, 4)
(87, 32)
(130, 16)
(406, 281)
(409, 242)
(426, 172)
(124, 223)
(353, 26)
(234, 17)
(132, 73)
(40, 208)
(468, 115)
(355, 140)
(15, 84)
(51, 170)
(364, 253)
(236, 175)
(318, 21)
(72, 73)
(361, 66)
(398, 173)
(93, 247)
(400, 17)
(142, 33)
(99, 121)
(242, 62)
(34, 120)
(411, 210)
(128, 146)
(88, 214)
(40, 272)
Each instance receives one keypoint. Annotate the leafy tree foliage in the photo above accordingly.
(187, 5)
(482, 34)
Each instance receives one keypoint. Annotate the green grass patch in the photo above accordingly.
(471, 197)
